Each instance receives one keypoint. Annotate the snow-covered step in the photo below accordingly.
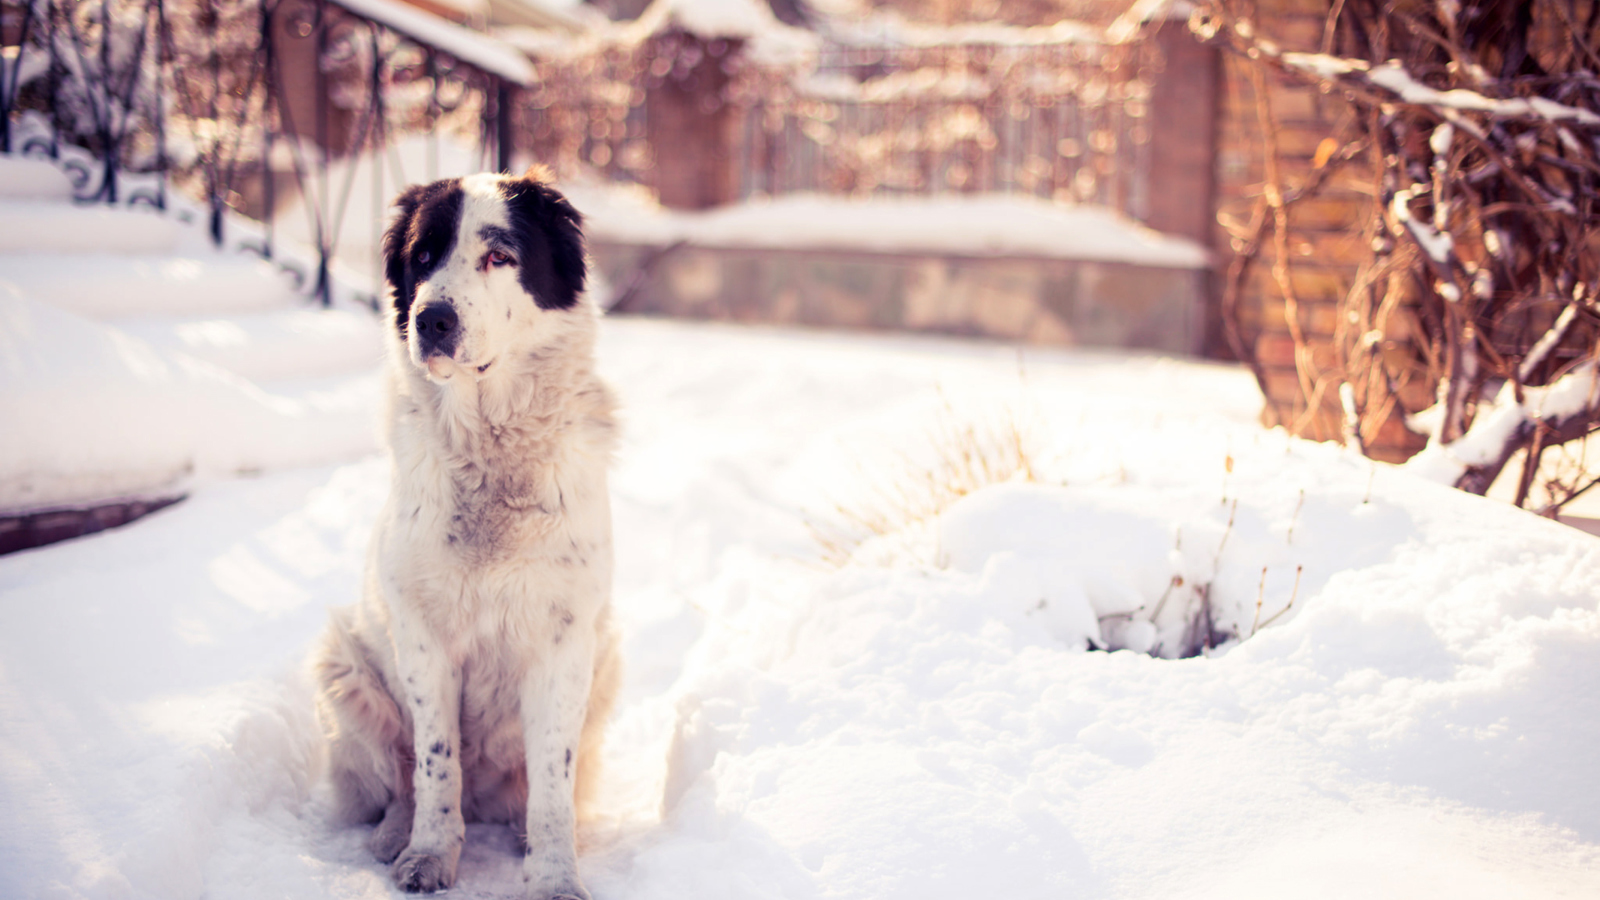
(267, 346)
(33, 179)
(93, 413)
(106, 287)
(44, 226)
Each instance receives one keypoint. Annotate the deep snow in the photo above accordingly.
(1421, 723)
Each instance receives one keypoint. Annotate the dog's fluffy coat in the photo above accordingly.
(472, 681)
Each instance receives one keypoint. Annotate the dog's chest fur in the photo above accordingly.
(509, 498)
(509, 522)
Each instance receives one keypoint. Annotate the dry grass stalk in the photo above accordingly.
(967, 455)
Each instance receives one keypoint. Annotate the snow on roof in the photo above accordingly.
(543, 14)
(748, 20)
(471, 47)
(972, 225)
(469, 9)
(1143, 12)
(715, 18)
(765, 37)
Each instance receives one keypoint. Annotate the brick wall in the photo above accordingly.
(1325, 246)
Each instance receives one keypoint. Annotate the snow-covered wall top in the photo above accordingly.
(894, 30)
(967, 225)
(471, 47)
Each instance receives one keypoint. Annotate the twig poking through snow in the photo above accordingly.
(1176, 582)
(1216, 563)
(1298, 570)
(1295, 519)
(1227, 472)
(1261, 593)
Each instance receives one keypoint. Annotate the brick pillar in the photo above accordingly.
(302, 89)
(1183, 134)
(691, 127)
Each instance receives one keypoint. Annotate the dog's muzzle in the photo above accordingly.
(438, 330)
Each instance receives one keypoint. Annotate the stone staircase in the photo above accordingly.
(137, 361)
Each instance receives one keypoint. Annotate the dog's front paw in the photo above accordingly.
(557, 889)
(423, 873)
(570, 892)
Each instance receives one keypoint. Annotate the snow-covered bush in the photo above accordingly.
(1110, 561)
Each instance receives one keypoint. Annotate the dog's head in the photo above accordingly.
(481, 267)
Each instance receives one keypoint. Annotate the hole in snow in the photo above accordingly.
(1104, 567)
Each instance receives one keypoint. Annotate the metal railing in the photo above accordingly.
(240, 103)
(1063, 121)
(89, 72)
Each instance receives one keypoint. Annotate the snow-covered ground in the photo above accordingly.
(923, 721)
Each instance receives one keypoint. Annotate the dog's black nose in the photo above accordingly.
(437, 330)
(436, 322)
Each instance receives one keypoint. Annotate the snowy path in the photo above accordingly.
(1422, 724)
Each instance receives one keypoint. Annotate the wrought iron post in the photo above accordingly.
(504, 134)
(108, 186)
(11, 77)
(269, 106)
(162, 35)
(322, 290)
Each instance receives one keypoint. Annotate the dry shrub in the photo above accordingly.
(1475, 130)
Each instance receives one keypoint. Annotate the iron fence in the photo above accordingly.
(250, 104)
(242, 103)
(1064, 121)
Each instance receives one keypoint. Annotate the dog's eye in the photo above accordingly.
(424, 258)
(496, 258)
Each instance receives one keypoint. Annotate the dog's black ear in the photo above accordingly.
(553, 268)
(394, 254)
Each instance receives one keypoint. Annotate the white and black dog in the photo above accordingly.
(472, 681)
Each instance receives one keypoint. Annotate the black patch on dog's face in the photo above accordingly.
(549, 233)
(545, 236)
(420, 239)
